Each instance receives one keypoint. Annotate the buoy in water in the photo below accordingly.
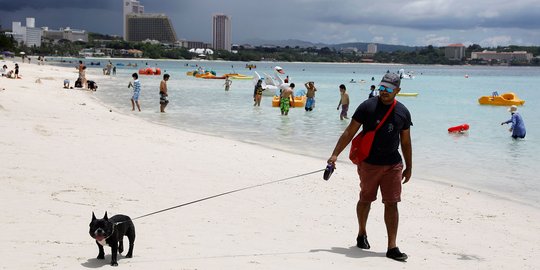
(460, 128)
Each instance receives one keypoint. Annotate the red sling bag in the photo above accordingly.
(361, 144)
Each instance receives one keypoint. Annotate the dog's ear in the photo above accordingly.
(105, 217)
(93, 216)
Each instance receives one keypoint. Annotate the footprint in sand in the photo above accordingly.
(71, 196)
(41, 130)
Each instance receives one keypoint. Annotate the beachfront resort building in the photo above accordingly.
(372, 48)
(182, 43)
(454, 51)
(131, 7)
(140, 26)
(221, 32)
(28, 35)
(65, 34)
(519, 56)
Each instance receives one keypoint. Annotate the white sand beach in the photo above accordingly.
(64, 154)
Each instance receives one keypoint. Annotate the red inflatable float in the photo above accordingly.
(460, 128)
(149, 71)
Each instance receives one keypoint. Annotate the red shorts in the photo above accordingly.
(388, 177)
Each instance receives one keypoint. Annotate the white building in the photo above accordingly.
(29, 35)
(221, 32)
(65, 33)
(372, 48)
(502, 56)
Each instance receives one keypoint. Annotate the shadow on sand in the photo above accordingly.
(352, 252)
(97, 263)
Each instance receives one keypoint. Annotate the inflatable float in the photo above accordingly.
(149, 71)
(460, 128)
(206, 74)
(506, 99)
(212, 76)
(407, 94)
(236, 76)
(200, 72)
(299, 101)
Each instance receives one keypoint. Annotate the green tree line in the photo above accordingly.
(425, 55)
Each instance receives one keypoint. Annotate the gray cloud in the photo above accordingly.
(434, 15)
(409, 22)
(10, 5)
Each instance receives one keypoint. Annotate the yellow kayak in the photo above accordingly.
(299, 101)
(237, 76)
(408, 94)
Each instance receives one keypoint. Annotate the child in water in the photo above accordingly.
(343, 102)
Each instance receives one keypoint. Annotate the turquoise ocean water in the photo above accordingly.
(485, 158)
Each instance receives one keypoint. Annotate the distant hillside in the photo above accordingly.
(361, 46)
(283, 43)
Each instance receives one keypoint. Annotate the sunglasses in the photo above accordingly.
(387, 89)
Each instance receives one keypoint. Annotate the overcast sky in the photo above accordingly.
(405, 22)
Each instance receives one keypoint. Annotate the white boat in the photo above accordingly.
(271, 84)
(408, 75)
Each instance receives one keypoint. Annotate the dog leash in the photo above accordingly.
(223, 194)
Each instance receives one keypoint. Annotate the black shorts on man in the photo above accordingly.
(163, 99)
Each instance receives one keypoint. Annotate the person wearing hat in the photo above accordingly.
(384, 165)
(518, 126)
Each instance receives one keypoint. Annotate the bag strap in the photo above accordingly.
(386, 115)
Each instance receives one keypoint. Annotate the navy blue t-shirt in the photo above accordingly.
(384, 150)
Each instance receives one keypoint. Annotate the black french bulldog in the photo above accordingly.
(111, 231)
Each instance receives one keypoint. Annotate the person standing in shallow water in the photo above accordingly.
(286, 97)
(227, 83)
(372, 92)
(384, 166)
(311, 89)
(343, 102)
(136, 91)
(257, 93)
(163, 93)
(518, 126)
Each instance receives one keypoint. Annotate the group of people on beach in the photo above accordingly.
(109, 69)
(82, 81)
(163, 92)
(286, 98)
(12, 74)
(40, 59)
(384, 168)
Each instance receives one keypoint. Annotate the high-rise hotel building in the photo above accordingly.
(221, 26)
(139, 26)
(29, 35)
